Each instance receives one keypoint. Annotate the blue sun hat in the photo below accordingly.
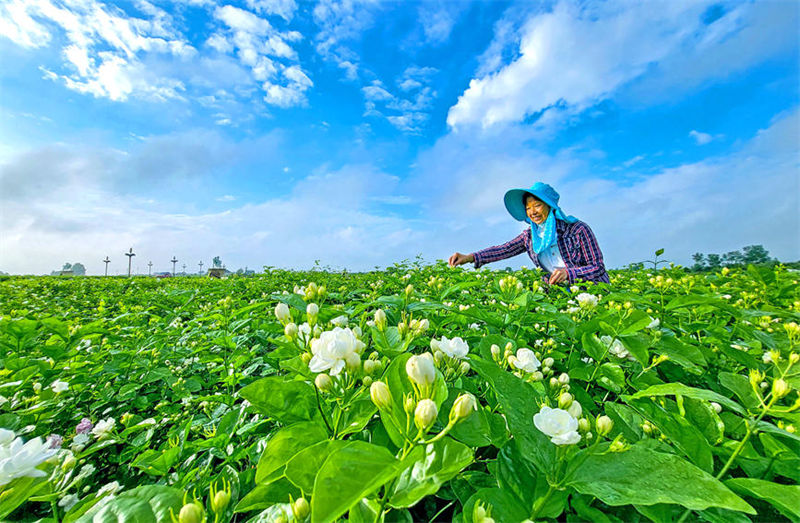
(542, 236)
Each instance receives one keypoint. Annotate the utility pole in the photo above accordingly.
(130, 256)
(106, 262)
(174, 260)
(201, 266)
(150, 268)
(184, 269)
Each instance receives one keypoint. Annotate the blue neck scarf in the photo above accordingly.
(550, 236)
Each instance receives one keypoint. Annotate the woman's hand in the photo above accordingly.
(460, 259)
(557, 276)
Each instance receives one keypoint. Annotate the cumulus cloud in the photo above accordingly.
(571, 57)
(688, 208)
(58, 204)
(267, 52)
(340, 24)
(142, 52)
(283, 8)
(104, 49)
(406, 110)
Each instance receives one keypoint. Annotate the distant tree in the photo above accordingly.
(66, 267)
(78, 269)
(755, 254)
(217, 262)
(733, 258)
(699, 261)
(714, 261)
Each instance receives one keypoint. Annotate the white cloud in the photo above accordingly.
(406, 112)
(685, 209)
(700, 138)
(438, 19)
(104, 46)
(340, 23)
(261, 48)
(575, 55)
(63, 203)
(17, 24)
(283, 8)
(226, 198)
(748, 34)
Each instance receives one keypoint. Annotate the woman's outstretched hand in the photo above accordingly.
(460, 259)
(558, 276)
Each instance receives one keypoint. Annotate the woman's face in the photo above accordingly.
(536, 210)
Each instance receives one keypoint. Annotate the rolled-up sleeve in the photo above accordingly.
(500, 252)
(593, 268)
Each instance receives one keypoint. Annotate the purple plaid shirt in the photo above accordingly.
(577, 245)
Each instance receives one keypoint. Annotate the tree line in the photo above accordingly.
(752, 254)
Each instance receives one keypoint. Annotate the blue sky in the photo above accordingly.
(360, 133)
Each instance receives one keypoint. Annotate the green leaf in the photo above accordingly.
(674, 389)
(638, 345)
(441, 461)
(157, 462)
(520, 401)
(785, 498)
(388, 342)
(504, 506)
(356, 416)
(265, 495)
(645, 477)
(348, 475)
(635, 322)
(518, 476)
(592, 345)
(286, 401)
(285, 444)
(611, 377)
(685, 436)
(146, 504)
(303, 467)
(739, 385)
(14, 494)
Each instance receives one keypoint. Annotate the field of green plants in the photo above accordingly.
(415, 394)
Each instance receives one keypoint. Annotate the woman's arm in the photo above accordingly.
(500, 252)
(594, 267)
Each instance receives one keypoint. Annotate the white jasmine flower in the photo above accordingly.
(68, 501)
(526, 361)
(558, 424)
(767, 357)
(103, 428)
(112, 487)
(282, 313)
(654, 323)
(19, 459)
(615, 347)
(456, 348)
(332, 349)
(59, 386)
(340, 321)
(586, 300)
(6, 437)
(421, 370)
(304, 332)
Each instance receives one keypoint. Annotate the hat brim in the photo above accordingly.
(515, 205)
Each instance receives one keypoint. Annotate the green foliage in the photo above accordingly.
(194, 383)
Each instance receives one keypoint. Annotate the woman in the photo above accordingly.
(563, 246)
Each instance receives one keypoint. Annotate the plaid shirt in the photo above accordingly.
(577, 245)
